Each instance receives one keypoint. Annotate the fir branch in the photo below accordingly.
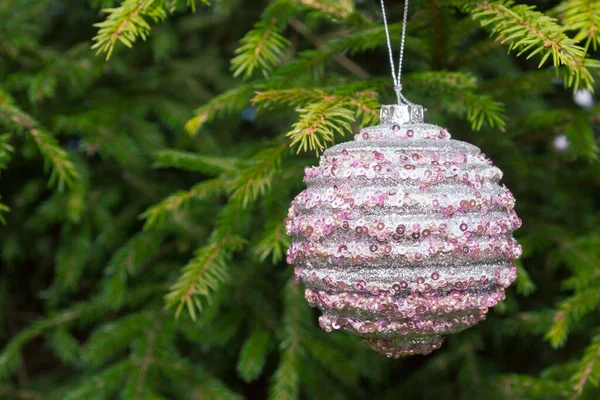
(285, 383)
(192, 4)
(65, 346)
(212, 388)
(588, 370)
(274, 242)
(209, 268)
(3, 209)
(253, 355)
(534, 323)
(101, 4)
(331, 356)
(533, 388)
(533, 33)
(571, 310)
(170, 112)
(257, 175)
(127, 261)
(366, 108)
(313, 60)
(263, 47)
(103, 383)
(10, 357)
(72, 258)
(215, 327)
(111, 338)
(205, 386)
(364, 102)
(525, 285)
(209, 165)
(84, 312)
(202, 275)
(117, 137)
(338, 9)
(524, 84)
(295, 97)
(6, 150)
(144, 349)
(128, 22)
(76, 198)
(321, 115)
(318, 123)
(63, 170)
(582, 256)
(582, 16)
(157, 214)
(455, 93)
(582, 137)
(344, 61)
(228, 103)
(132, 255)
(476, 52)
(56, 158)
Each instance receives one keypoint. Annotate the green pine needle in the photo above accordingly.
(129, 21)
(582, 16)
(126, 23)
(225, 104)
(588, 370)
(111, 338)
(210, 268)
(6, 150)
(321, 115)
(285, 384)
(456, 94)
(256, 176)
(263, 47)
(63, 172)
(178, 201)
(253, 355)
(209, 165)
(572, 310)
(274, 243)
(318, 123)
(533, 33)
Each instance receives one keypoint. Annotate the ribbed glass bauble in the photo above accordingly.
(403, 235)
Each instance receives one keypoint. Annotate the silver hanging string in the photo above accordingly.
(396, 78)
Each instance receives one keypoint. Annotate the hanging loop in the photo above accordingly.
(398, 89)
(397, 78)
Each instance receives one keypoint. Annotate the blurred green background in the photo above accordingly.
(156, 183)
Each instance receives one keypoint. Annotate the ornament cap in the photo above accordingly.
(402, 114)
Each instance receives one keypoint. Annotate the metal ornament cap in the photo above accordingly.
(403, 235)
(402, 114)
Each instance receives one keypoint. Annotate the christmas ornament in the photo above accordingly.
(403, 235)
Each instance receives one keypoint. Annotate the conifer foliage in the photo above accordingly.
(142, 198)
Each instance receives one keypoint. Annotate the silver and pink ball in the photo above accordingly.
(403, 235)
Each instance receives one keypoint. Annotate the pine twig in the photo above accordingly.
(534, 33)
(589, 370)
(146, 361)
(343, 60)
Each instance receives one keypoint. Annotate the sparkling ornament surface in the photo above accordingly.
(403, 235)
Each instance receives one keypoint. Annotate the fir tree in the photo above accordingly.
(143, 197)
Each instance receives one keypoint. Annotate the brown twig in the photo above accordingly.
(344, 61)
